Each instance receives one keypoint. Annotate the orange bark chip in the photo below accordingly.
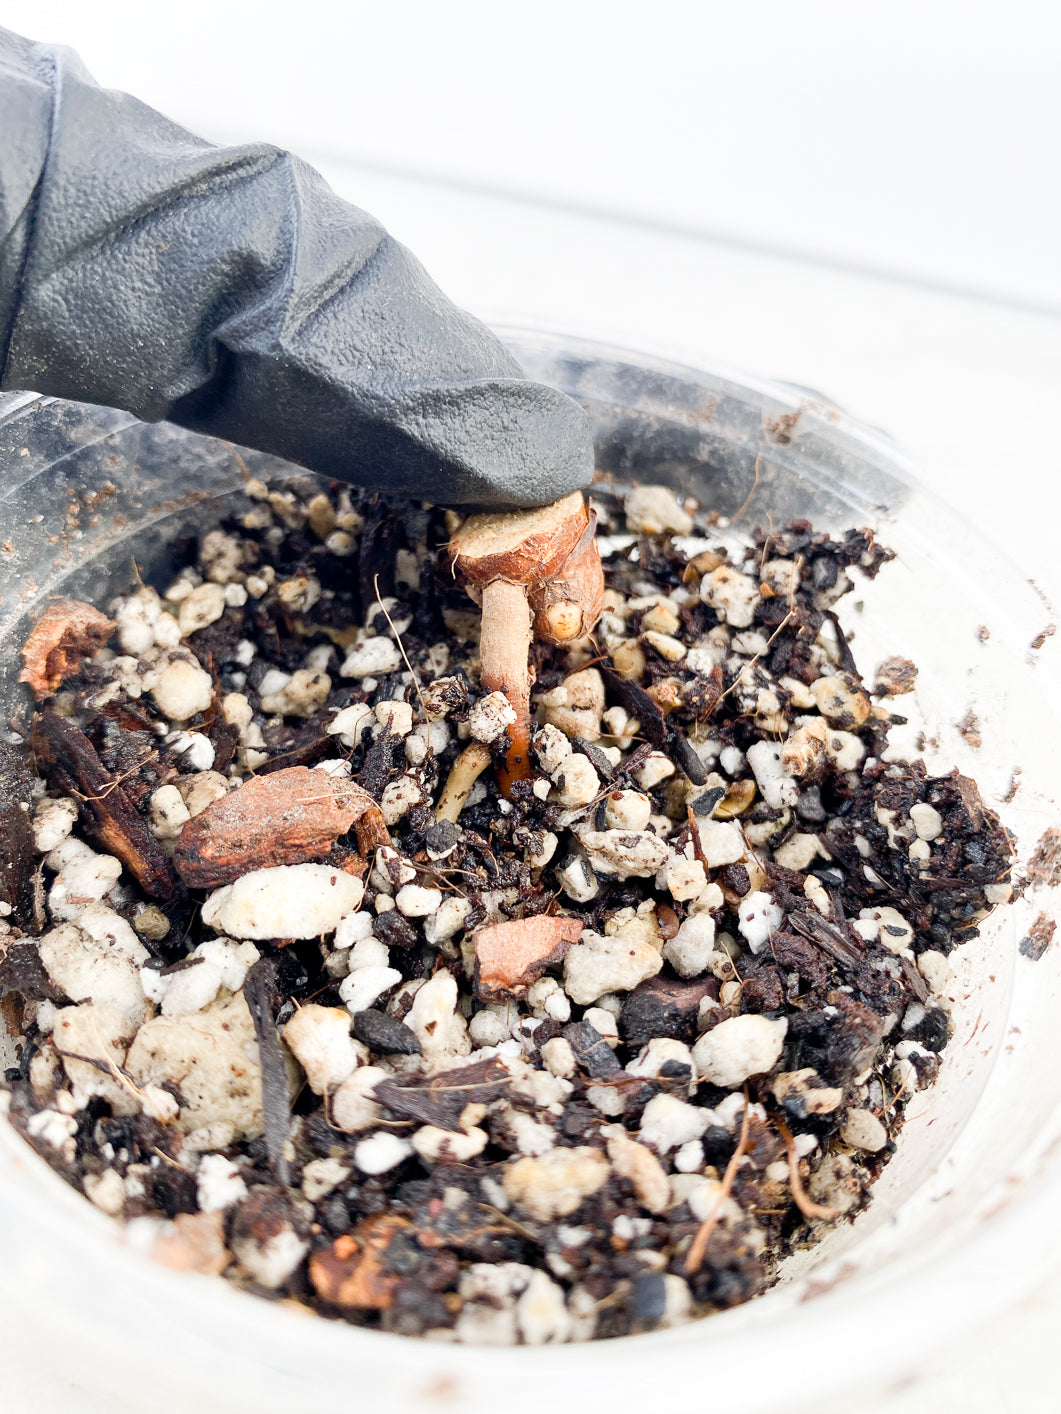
(65, 633)
(292, 816)
(509, 957)
(353, 1271)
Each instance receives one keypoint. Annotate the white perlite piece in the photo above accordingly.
(447, 1146)
(551, 748)
(218, 963)
(322, 1176)
(541, 1315)
(667, 1122)
(349, 725)
(684, 879)
(398, 798)
(490, 717)
(381, 1151)
(415, 901)
(355, 928)
(577, 783)
(136, 617)
(559, 1057)
(195, 749)
(655, 510)
(576, 706)
(366, 984)
(219, 1184)
(106, 1190)
(56, 1130)
(52, 822)
(798, 852)
(394, 716)
(289, 901)
(555, 1184)
(447, 921)
(167, 813)
(758, 916)
(182, 690)
(434, 1020)
(353, 1107)
(270, 1261)
(84, 877)
(577, 879)
(926, 820)
(886, 926)
(319, 1037)
(738, 1048)
(732, 594)
(597, 964)
(654, 1056)
(627, 810)
(213, 1058)
(98, 959)
(300, 696)
(374, 658)
(689, 951)
(657, 768)
(637, 1163)
(776, 786)
(720, 843)
(203, 606)
(625, 854)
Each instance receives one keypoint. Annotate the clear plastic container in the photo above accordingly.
(963, 1221)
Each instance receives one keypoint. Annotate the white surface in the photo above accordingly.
(918, 137)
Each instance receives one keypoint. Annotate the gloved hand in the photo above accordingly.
(231, 291)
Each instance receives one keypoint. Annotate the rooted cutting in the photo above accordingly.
(537, 570)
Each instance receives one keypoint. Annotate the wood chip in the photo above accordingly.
(352, 1272)
(510, 956)
(108, 815)
(65, 633)
(292, 816)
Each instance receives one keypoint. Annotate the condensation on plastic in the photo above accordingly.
(963, 1220)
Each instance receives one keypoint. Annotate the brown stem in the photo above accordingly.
(504, 653)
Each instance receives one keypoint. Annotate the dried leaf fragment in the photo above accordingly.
(440, 1099)
(65, 633)
(293, 816)
(510, 956)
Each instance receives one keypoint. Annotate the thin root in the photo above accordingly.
(464, 772)
(695, 1256)
(807, 1206)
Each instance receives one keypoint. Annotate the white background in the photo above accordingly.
(863, 199)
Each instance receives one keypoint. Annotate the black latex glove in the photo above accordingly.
(231, 291)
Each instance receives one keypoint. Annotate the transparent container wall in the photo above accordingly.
(86, 494)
